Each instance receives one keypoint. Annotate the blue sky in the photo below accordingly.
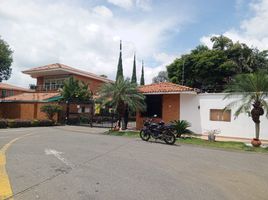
(86, 33)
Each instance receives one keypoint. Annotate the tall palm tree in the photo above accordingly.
(120, 95)
(252, 90)
(221, 42)
(74, 91)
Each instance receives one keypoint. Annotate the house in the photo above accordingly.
(163, 100)
(205, 111)
(7, 90)
(49, 79)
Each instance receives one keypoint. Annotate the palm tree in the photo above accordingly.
(221, 42)
(74, 91)
(122, 95)
(252, 90)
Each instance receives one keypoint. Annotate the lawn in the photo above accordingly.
(199, 142)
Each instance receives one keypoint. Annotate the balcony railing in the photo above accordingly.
(51, 87)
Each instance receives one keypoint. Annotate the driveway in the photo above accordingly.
(80, 163)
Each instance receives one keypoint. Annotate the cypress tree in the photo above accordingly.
(134, 77)
(119, 73)
(142, 82)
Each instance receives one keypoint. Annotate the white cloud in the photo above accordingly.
(43, 32)
(103, 11)
(122, 3)
(128, 4)
(252, 31)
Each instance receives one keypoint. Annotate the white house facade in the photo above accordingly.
(205, 112)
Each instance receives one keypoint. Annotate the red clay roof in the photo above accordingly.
(7, 86)
(69, 69)
(164, 87)
(37, 96)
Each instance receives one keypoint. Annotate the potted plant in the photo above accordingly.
(212, 135)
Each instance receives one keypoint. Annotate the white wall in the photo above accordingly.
(196, 110)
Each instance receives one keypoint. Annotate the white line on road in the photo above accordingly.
(58, 155)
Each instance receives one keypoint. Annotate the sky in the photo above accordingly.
(85, 34)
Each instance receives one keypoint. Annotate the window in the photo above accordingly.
(4, 93)
(53, 84)
(83, 109)
(220, 115)
(11, 93)
(154, 106)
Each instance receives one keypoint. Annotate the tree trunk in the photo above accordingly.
(257, 130)
(67, 112)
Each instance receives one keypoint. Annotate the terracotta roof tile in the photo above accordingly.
(67, 68)
(31, 97)
(164, 87)
(7, 86)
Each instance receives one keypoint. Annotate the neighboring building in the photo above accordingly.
(7, 90)
(203, 110)
(49, 79)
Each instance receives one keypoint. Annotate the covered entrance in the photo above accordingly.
(163, 100)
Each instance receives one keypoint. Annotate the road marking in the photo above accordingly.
(58, 155)
(5, 187)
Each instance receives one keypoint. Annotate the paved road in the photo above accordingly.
(77, 163)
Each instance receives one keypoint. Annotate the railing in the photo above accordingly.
(51, 87)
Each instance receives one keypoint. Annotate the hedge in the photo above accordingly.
(16, 123)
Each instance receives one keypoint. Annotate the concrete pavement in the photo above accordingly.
(80, 163)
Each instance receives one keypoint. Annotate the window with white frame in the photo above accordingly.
(54, 84)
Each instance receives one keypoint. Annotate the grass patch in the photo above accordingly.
(221, 144)
(133, 134)
(228, 145)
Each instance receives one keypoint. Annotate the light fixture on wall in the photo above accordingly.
(198, 107)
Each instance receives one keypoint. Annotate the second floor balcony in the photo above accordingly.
(46, 87)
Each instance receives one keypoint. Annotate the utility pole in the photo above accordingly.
(182, 79)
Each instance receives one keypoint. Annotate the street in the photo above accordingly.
(82, 163)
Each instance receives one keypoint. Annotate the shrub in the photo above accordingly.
(181, 127)
(46, 122)
(51, 110)
(16, 123)
(3, 123)
(35, 123)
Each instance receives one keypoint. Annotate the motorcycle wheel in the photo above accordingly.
(144, 136)
(170, 138)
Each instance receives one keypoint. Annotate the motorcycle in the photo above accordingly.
(158, 131)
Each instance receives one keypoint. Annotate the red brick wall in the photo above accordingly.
(28, 111)
(171, 107)
(94, 84)
(170, 110)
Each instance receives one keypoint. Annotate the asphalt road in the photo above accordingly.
(79, 163)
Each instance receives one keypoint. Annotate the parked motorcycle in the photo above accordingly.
(158, 131)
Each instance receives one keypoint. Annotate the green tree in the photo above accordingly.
(211, 69)
(253, 92)
(5, 60)
(74, 91)
(120, 95)
(119, 73)
(134, 76)
(142, 81)
(51, 110)
(221, 42)
(161, 77)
